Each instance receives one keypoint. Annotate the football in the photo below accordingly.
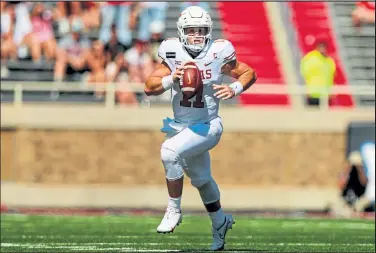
(191, 80)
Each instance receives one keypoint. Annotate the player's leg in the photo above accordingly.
(191, 141)
(172, 216)
(174, 180)
(198, 170)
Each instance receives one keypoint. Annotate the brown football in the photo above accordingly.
(191, 80)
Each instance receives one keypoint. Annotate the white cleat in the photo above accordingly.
(170, 221)
(220, 233)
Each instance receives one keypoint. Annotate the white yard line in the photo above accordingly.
(83, 247)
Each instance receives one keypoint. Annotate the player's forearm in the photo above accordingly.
(244, 74)
(248, 78)
(154, 87)
(159, 81)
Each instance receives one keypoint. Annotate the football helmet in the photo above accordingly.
(194, 16)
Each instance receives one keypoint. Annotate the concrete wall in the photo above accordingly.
(88, 156)
(131, 158)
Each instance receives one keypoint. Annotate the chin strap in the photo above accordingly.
(195, 54)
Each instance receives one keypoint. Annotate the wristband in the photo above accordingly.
(167, 82)
(237, 87)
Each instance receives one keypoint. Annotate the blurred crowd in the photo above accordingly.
(61, 33)
(363, 13)
(102, 42)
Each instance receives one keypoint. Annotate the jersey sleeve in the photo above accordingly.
(228, 53)
(166, 54)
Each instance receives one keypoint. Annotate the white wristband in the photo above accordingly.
(167, 82)
(237, 87)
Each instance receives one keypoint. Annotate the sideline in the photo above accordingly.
(155, 197)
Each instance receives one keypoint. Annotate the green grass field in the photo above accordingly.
(27, 233)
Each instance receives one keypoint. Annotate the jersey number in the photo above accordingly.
(198, 103)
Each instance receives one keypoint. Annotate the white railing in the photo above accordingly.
(111, 89)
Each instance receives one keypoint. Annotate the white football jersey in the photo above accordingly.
(204, 106)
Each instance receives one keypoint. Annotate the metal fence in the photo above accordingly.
(20, 93)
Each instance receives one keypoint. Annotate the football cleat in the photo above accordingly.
(220, 233)
(170, 221)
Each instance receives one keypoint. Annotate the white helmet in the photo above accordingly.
(194, 16)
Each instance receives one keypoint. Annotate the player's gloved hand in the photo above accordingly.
(224, 91)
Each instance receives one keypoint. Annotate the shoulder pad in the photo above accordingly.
(172, 38)
(220, 40)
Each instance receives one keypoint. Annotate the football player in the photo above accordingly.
(196, 127)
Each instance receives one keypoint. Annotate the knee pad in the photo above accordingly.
(208, 189)
(172, 163)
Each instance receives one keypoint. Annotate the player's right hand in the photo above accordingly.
(178, 75)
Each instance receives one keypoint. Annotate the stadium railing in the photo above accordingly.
(18, 90)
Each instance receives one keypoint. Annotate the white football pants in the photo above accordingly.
(188, 151)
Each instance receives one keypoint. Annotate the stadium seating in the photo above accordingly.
(247, 26)
(358, 48)
(312, 20)
(27, 70)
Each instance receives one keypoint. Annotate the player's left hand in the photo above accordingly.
(224, 91)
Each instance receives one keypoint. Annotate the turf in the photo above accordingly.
(32, 233)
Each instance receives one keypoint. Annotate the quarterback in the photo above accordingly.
(196, 127)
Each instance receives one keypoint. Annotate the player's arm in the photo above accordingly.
(162, 79)
(244, 74)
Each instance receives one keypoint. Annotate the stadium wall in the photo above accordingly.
(53, 156)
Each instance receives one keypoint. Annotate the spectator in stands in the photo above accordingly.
(114, 56)
(72, 54)
(22, 32)
(364, 13)
(121, 13)
(42, 27)
(96, 62)
(91, 15)
(136, 8)
(157, 30)
(86, 12)
(318, 70)
(65, 12)
(139, 62)
(204, 5)
(8, 47)
(124, 95)
(114, 51)
(152, 15)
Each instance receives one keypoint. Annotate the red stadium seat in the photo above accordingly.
(246, 25)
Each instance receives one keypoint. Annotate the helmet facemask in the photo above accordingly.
(194, 38)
